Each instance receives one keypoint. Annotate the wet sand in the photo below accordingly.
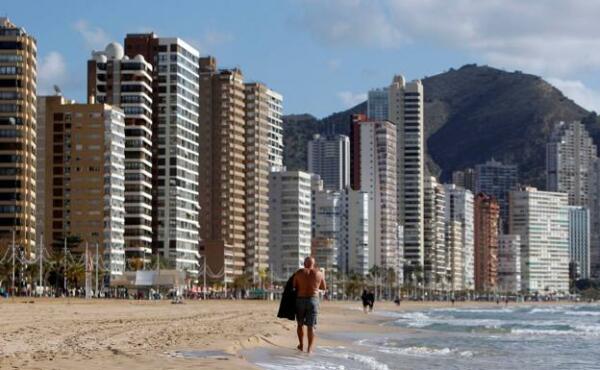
(74, 334)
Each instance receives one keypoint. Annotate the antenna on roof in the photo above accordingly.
(57, 90)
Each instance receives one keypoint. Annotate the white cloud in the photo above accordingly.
(551, 37)
(578, 92)
(350, 99)
(94, 37)
(52, 70)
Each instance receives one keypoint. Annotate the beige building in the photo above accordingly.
(222, 165)
(264, 153)
(18, 75)
(84, 178)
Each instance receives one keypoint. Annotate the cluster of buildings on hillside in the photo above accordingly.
(174, 157)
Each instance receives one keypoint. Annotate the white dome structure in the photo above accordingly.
(114, 50)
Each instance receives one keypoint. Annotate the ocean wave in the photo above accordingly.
(582, 313)
(547, 310)
(418, 351)
(368, 361)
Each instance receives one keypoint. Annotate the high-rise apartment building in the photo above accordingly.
(264, 153)
(406, 111)
(175, 107)
(436, 256)
(374, 171)
(378, 104)
(85, 178)
(594, 207)
(464, 178)
(223, 168)
(460, 213)
(329, 157)
(541, 219)
(353, 250)
(509, 263)
(487, 217)
(579, 240)
(570, 154)
(496, 180)
(455, 276)
(18, 88)
(289, 221)
(126, 82)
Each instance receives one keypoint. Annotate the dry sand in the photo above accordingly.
(110, 334)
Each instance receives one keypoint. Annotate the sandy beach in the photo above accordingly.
(111, 334)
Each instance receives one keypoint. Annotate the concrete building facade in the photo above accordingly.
(290, 210)
(436, 257)
(570, 154)
(222, 127)
(579, 240)
(175, 108)
(464, 178)
(460, 210)
(353, 251)
(406, 111)
(374, 171)
(126, 83)
(329, 157)
(487, 218)
(264, 153)
(18, 91)
(378, 104)
(541, 219)
(497, 180)
(509, 263)
(85, 178)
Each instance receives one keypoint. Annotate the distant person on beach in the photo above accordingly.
(371, 300)
(365, 300)
(307, 283)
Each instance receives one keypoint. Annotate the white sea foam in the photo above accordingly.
(368, 361)
(583, 313)
(546, 310)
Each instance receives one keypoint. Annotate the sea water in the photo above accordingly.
(515, 338)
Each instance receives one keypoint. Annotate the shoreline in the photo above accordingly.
(116, 334)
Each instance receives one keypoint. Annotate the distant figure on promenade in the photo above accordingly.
(365, 300)
(307, 283)
(397, 301)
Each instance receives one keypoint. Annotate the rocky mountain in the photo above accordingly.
(472, 114)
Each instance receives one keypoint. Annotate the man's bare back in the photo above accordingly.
(308, 281)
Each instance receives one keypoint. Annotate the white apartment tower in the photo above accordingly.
(353, 249)
(290, 221)
(436, 256)
(115, 79)
(329, 157)
(175, 139)
(374, 172)
(406, 111)
(459, 207)
(541, 219)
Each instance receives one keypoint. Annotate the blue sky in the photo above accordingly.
(324, 55)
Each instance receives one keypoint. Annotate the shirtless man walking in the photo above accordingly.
(307, 282)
